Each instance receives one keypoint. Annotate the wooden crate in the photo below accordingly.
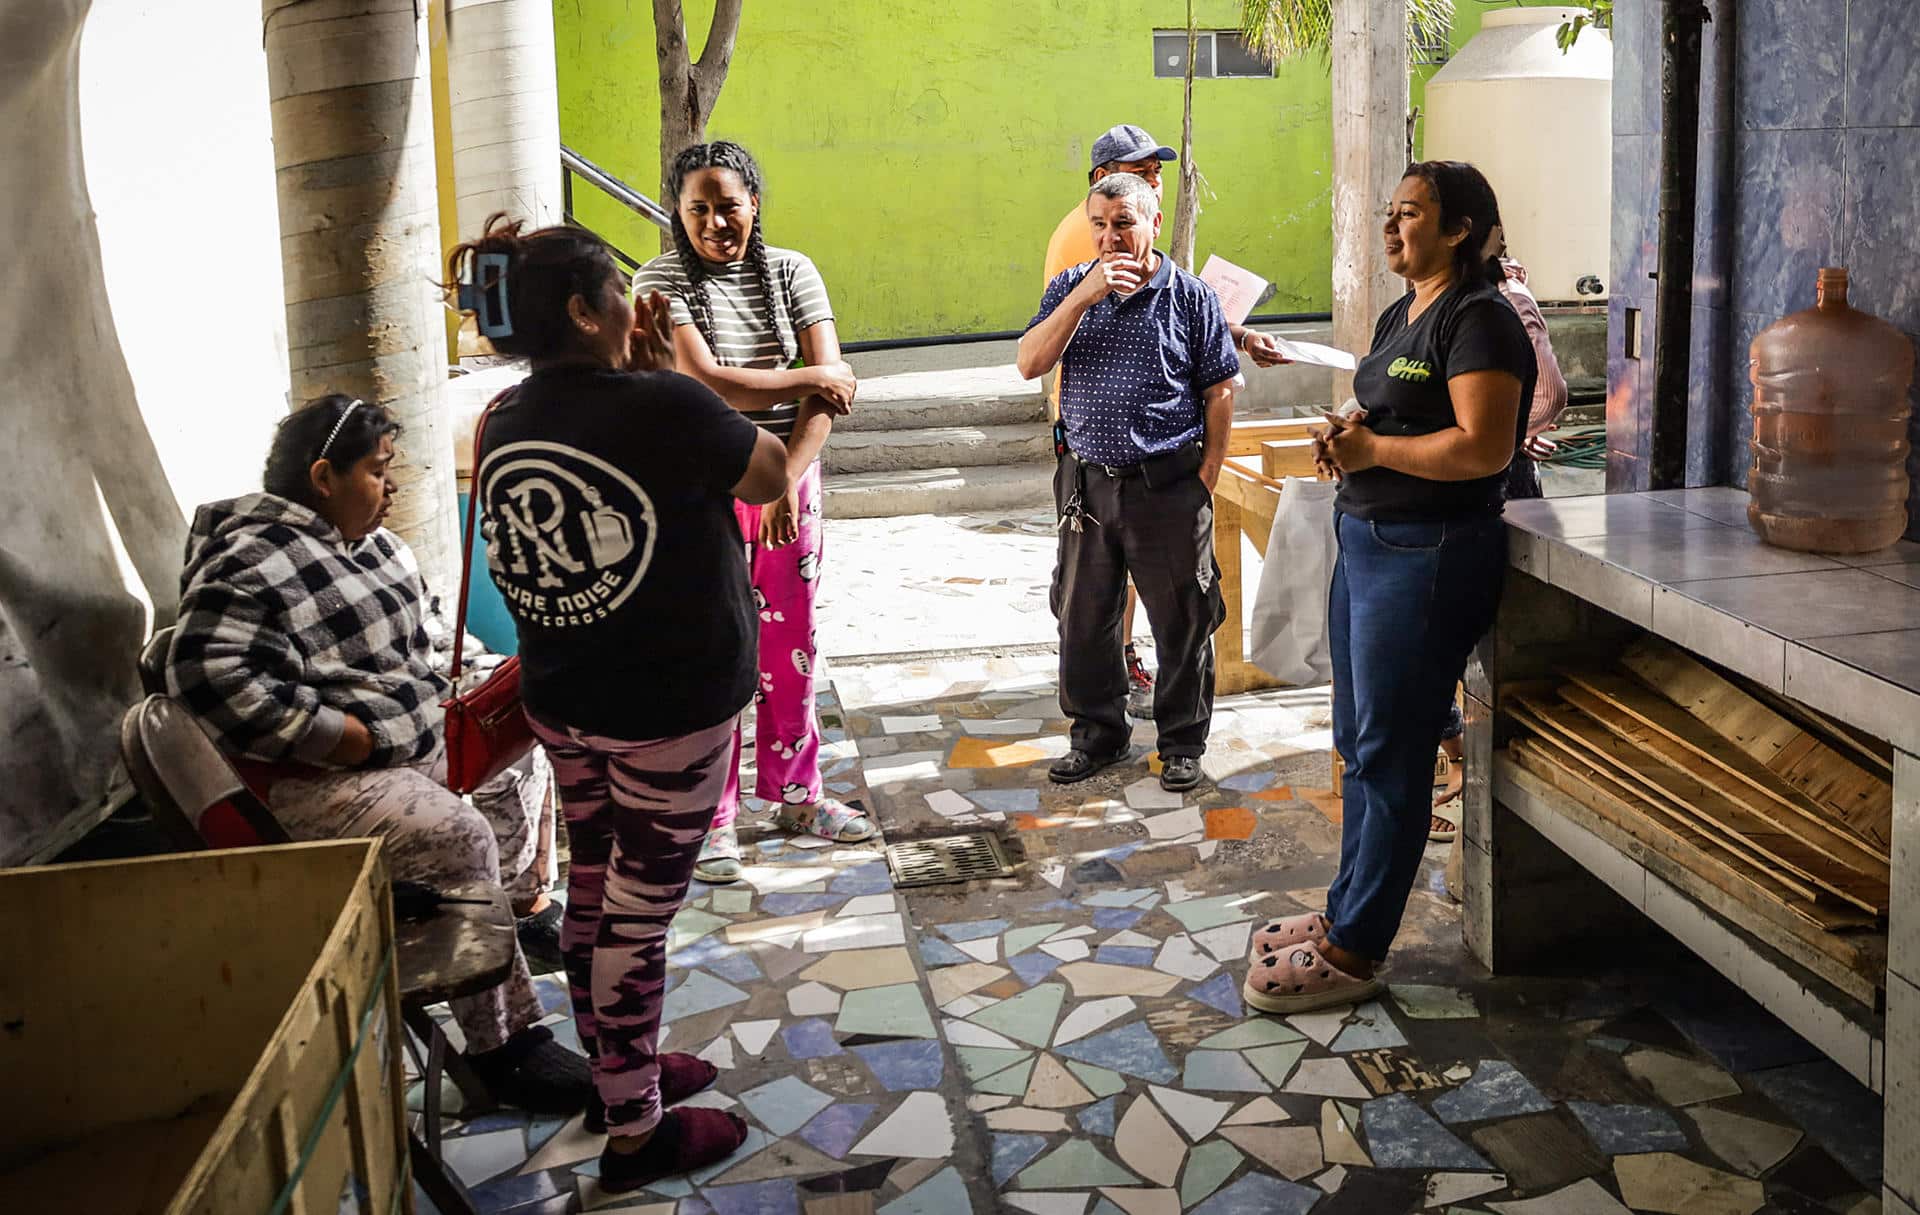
(209, 1032)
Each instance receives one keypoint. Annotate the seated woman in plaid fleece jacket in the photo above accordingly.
(307, 642)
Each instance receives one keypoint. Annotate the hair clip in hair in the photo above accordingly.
(338, 423)
(1496, 242)
(485, 295)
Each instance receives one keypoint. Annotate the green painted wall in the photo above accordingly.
(921, 151)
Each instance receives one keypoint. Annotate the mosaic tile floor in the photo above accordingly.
(1071, 1041)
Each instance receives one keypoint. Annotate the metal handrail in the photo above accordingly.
(571, 163)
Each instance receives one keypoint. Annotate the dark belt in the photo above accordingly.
(1117, 472)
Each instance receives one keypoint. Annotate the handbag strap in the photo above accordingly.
(466, 548)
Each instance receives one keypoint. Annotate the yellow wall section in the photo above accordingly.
(450, 234)
(921, 151)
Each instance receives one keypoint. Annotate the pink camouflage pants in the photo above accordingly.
(636, 813)
(787, 735)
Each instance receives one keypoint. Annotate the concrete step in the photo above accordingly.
(871, 417)
(930, 491)
(939, 447)
(966, 396)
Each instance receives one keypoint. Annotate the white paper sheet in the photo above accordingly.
(1238, 288)
(1315, 354)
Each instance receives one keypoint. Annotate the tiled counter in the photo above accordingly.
(1840, 635)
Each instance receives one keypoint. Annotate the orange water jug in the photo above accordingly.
(1830, 414)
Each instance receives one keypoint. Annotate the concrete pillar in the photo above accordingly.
(1901, 1078)
(1369, 155)
(360, 239)
(1515, 882)
(506, 111)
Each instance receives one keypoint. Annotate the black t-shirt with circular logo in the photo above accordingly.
(1402, 384)
(608, 515)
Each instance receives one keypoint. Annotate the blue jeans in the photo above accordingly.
(1408, 603)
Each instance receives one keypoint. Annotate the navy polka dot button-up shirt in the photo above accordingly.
(1134, 375)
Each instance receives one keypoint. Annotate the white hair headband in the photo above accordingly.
(335, 432)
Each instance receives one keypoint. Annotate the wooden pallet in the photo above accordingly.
(1873, 754)
(1659, 827)
(1853, 961)
(1855, 796)
(1623, 745)
(1687, 743)
(1549, 728)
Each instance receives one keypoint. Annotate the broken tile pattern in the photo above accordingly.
(1074, 1043)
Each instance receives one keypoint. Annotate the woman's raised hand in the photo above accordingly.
(651, 348)
(836, 384)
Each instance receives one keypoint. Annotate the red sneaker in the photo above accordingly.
(1139, 687)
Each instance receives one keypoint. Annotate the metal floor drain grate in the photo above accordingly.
(947, 858)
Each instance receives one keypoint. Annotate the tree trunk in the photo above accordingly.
(689, 89)
(360, 239)
(1369, 155)
(1186, 221)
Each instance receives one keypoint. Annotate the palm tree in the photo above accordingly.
(1279, 30)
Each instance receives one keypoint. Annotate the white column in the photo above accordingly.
(1369, 155)
(506, 111)
(360, 238)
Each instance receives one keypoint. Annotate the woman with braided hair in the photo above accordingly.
(744, 313)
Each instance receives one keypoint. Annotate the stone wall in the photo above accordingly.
(1809, 157)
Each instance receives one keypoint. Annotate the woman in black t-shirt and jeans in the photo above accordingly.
(607, 484)
(1421, 555)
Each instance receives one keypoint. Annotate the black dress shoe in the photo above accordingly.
(1178, 773)
(1077, 766)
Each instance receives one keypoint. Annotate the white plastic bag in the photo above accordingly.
(1289, 636)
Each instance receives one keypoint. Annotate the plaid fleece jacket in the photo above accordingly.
(286, 630)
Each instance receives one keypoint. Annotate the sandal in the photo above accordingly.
(1300, 980)
(719, 862)
(828, 818)
(1445, 826)
(1281, 934)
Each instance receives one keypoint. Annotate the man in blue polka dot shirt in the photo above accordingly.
(1147, 405)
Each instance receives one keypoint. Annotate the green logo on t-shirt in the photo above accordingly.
(1410, 369)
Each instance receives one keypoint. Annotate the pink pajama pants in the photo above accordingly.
(787, 736)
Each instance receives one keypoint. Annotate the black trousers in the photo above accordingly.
(1164, 539)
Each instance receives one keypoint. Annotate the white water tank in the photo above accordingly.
(1539, 123)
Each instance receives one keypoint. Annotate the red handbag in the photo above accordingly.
(486, 729)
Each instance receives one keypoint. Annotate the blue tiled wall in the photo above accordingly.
(1811, 159)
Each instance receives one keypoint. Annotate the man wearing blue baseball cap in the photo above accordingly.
(1130, 149)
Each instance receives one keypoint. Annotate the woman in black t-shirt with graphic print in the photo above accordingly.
(607, 483)
(1421, 554)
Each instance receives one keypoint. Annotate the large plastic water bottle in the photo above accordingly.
(1830, 413)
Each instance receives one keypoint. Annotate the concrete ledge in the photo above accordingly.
(879, 495)
(872, 414)
(939, 447)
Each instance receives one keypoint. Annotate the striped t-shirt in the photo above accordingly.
(743, 324)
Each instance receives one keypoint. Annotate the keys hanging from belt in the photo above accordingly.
(1074, 515)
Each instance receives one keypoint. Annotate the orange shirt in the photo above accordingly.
(1070, 244)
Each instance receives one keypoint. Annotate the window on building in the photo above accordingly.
(1434, 48)
(1217, 54)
